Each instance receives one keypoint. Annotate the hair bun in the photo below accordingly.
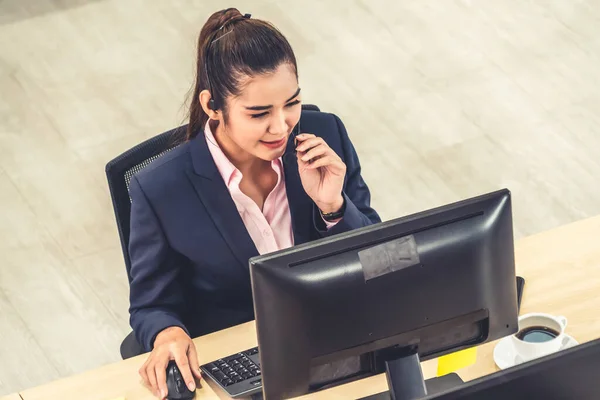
(229, 16)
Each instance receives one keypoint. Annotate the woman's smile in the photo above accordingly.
(274, 144)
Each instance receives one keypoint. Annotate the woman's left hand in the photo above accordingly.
(322, 172)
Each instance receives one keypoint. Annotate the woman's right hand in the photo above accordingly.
(170, 344)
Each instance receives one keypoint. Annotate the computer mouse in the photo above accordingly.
(178, 390)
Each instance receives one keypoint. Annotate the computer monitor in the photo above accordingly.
(384, 297)
(568, 374)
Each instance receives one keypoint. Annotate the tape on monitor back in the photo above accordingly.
(389, 257)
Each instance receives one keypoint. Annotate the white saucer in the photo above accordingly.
(504, 352)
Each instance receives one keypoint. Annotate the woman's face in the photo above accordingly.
(262, 117)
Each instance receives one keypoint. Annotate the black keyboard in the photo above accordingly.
(239, 374)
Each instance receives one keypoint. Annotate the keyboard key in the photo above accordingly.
(257, 382)
(219, 375)
(238, 379)
(257, 372)
(246, 375)
(227, 382)
(228, 370)
(231, 358)
(212, 368)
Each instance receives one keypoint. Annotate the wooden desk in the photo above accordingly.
(562, 272)
(14, 396)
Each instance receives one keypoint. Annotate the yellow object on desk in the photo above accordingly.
(455, 361)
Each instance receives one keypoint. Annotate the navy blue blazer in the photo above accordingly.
(189, 247)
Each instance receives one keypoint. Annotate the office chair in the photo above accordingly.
(118, 173)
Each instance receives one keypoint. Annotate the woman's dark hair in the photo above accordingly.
(238, 47)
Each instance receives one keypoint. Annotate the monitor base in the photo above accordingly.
(433, 385)
(405, 377)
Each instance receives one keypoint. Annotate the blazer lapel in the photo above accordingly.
(299, 202)
(216, 198)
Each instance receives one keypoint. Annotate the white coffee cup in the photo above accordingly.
(527, 351)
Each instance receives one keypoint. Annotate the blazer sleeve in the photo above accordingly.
(358, 212)
(155, 294)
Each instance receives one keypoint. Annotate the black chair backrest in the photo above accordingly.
(120, 170)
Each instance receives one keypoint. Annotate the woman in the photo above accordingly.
(238, 186)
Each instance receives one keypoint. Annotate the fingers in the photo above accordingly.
(161, 378)
(146, 371)
(306, 141)
(151, 373)
(316, 151)
(303, 136)
(184, 367)
(328, 161)
(312, 147)
(313, 152)
(143, 374)
(194, 364)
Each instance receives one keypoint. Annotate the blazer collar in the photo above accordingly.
(301, 206)
(214, 194)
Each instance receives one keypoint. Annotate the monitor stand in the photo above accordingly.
(405, 377)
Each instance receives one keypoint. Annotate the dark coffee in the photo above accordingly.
(537, 334)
